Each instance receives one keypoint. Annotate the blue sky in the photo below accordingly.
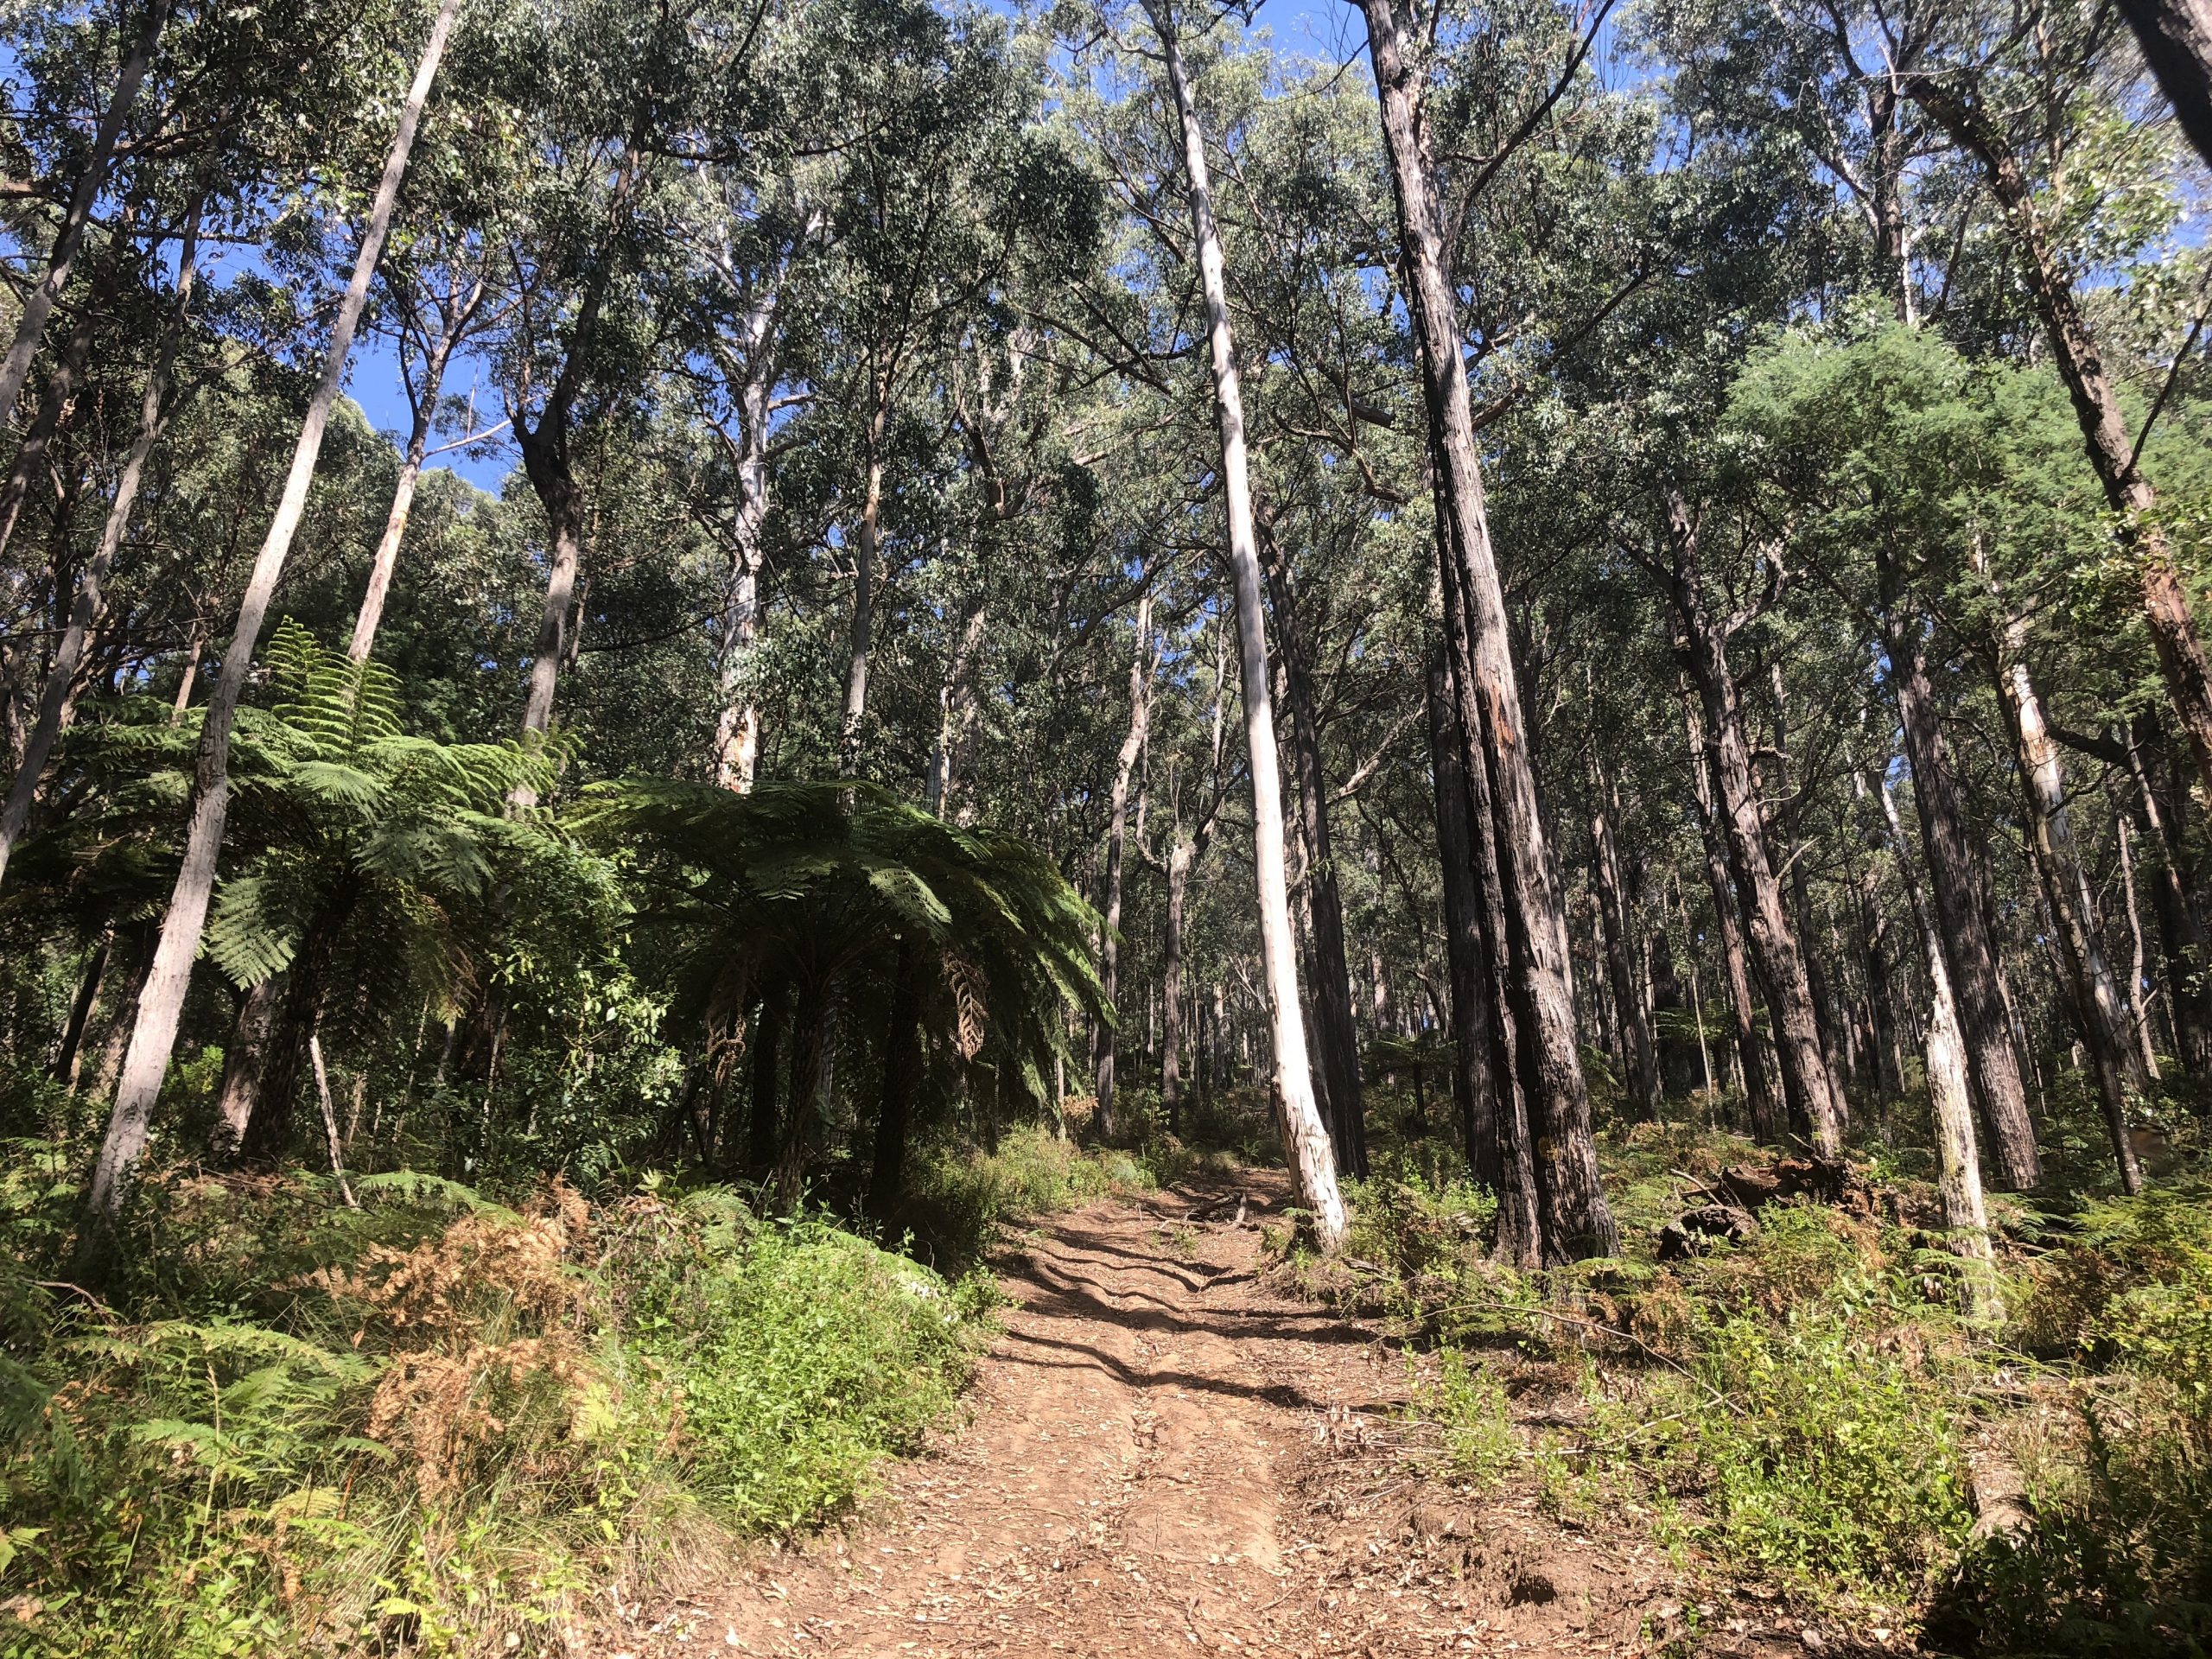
(1324, 32)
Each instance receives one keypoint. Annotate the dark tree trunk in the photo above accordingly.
(763, 1122)
(64, 1067)
(2185, 945)
(1759, 1102)
(1881, 993)
(902, 1080)
(244, 1060)
(1809, 1091)
(268, 1130)
(810, 1051)
(2176, 37)
(1493, 1115)
(1335, 1034)
(1679, 1070)
(1640, 1061)
(1956, 889)
(1577, 1221)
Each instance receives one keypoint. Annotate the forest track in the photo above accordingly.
(1162, 1457)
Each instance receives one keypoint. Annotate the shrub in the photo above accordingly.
(1823, 1456)
(2119, 1559)
(959, 1197)
(436, 1425)
(801, 1359)
(1470, 1407)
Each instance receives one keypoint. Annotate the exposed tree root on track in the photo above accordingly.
(1165, 1458)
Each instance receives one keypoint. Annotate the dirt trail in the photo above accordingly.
(1164, 1457)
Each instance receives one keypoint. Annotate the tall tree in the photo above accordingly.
(160, 1005)
(1314, 1158)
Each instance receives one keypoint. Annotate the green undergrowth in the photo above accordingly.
(962, 1198)
(440, 1424)
(1803, 1413)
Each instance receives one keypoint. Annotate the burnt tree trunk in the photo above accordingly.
(1486, 1085)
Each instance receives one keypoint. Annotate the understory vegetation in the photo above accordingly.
(1819, 1410)
(665, 662)
(437, 1423)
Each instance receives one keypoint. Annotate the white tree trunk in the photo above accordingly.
(69, 655)
(1958, 1163)
(1313, 1158)
(863, 627)
(737, 729)
(161, 1006)
(410, 473)
(38, 304)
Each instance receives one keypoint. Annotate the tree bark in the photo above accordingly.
(63, 1069)
(1958, 1165)
(1336, 1034)
(1577, 1221)
(161, 1005)
(1760, 1102)
(1493, 1113)
(546, 462)
(38, 304)
(38, 438)
(737, 727)
(2176, 37)
(1955, 881)
(243, 1062)
(2075, 913)
(2138, 998)
(1808, 1088)
(1312, 1158)
(2080, 362)
(1180, 857)
(69, 654)
(956, 718)
(861, 644)
(2183, 942)
(1109, 933)
(1641, 1062)
(762, 1123)
(1881, 993)
(902, 1080)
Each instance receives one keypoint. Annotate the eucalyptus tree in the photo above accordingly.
(2021, 100)
(1305, 1134)
(927, 211)
(82, 191)
(155, 411)
(597, 83)
(162, 1003)
(1506, 811)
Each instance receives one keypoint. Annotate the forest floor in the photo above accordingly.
(1161, 1456)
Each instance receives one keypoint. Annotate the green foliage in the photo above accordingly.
(1420, 1220)
(2119, 1561)
(1470, 1405)
(818, 883)
(961, 1197)
(448, 1420)
(802, 1358)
